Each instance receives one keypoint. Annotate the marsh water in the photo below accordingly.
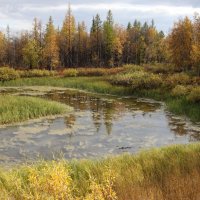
(98, 126)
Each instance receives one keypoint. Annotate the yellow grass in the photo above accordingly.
(171, 173)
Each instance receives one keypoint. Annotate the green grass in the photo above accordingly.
(90, 84)
(181, 106)
(166, 174)
(177, 105)
(18, 109)
(100, 85)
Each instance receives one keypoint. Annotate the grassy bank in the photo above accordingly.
(167, 173)
(177, 105)
(17, 109)
(90, 84)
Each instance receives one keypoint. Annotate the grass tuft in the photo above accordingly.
(18, 109)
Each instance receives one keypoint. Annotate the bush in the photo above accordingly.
(159, 68)
(177, 79)
(113, 71)
(122, 79)
(180, 90)
(194, 95)
(138, 80)
(7, 74)
(132, 68)
(37, 73)
(99, 71)
(196, 80)
(91, 71)
(142, 80)
(70, 73)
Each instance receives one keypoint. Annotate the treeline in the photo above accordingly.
(107, 44)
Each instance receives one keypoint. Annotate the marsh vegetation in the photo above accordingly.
(167, 173)
(18, 109)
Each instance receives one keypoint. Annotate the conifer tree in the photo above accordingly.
(109, 38)
(2, 48)
(51, 50)
(67, 39)
(31, 54)
(96, 41)
(81, 44)
(196, 44)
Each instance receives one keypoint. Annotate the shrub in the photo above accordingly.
(7, 74)
(143, 80)
(180, 90)
(99, 71)
(70, 73)
(37, 73)
(132, 68)
(137, 80)
(196, 80)
(177, 79)
(122, 79)
(159, 68)
(91, 71)
(113, 71)
(194, 95)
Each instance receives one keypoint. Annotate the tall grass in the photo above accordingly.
(181, 106)
(165, 174)
(17, 109)
(90, 84)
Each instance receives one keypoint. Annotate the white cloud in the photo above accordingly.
(3, 16)
(154, 9)
(20, 13)
(15, 24)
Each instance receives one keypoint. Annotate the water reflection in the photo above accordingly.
(99, 126)
(183, 128)
(103, 110)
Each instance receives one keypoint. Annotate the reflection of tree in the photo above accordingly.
(103, 111)
(108, 115)
(179, 128)
(96, 107)
(195, 136)
(108, 125)
(97, 120)
(145, 106)
(70, 121)
(54, 96)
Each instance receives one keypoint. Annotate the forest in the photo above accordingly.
(106, 44)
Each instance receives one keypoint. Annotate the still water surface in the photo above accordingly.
(98, 126)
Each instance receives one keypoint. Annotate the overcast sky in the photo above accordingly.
(19, 14)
